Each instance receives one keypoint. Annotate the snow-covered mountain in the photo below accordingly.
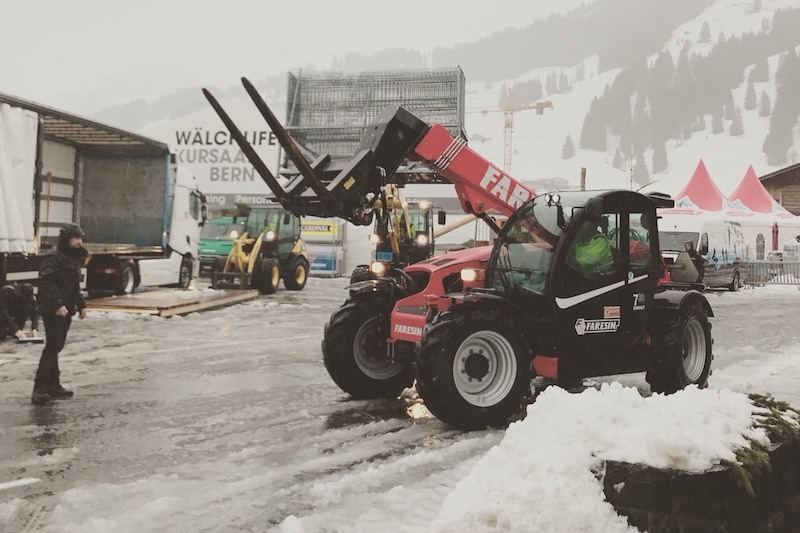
(538, 140)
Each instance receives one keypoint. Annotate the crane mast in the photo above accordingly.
(508, 109)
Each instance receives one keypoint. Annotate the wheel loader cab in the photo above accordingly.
(280, 232)
(421, 238)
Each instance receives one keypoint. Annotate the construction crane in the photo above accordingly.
(508, 111)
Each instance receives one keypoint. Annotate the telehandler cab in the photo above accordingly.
(552, 302)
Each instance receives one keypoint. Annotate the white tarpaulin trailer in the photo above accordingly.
(140, 212)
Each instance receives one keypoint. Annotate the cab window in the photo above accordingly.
(194, 206)
(639, 245)
(594, 250)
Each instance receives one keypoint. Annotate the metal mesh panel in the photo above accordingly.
(327, 112)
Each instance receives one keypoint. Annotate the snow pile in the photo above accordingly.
(541, 476)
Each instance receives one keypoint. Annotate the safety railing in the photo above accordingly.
(774, 273)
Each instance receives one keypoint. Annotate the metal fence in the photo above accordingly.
(773, 273)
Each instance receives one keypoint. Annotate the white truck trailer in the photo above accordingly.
(142, 214)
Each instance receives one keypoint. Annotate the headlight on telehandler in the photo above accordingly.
(472, 277)
(270, 236)
(377, 268)
(422, 240)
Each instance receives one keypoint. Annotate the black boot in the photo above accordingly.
(40, 396)
(58, 392)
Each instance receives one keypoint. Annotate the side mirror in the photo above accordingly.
(287, 217)
(441, 217)
(703, 250)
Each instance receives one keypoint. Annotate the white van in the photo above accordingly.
(725, 243)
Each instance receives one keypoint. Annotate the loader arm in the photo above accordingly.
(328, 188)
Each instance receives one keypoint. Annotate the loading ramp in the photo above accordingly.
(169, 302)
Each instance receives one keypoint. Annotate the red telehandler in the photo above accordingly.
(573, 287)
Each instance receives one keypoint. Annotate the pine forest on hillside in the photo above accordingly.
(647, 104)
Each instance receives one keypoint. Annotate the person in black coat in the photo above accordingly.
(17, 305)
(59, 299)
(697, 259)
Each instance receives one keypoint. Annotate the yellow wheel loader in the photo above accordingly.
(268, 250)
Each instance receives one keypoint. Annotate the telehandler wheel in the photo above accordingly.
(266, 275)
(681, 350)
(361, 273)
(126, 278)
(354, 351)
(297, 276)
(185, 275)
(472, 368)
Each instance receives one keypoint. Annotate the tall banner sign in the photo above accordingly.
(203, 145)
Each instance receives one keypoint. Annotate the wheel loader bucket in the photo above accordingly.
(328, 188)
(238, 269)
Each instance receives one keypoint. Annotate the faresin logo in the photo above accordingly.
(583, 327)
(408, 330)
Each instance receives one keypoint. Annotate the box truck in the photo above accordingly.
(142, 214)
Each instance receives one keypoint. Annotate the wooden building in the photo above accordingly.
(784, 186)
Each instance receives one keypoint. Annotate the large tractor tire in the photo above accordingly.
(682, 352)
(361, 273)
(297, 275)
(354, 351)
(266, 275)
(185, 274)
(126, 278)
(472, 368)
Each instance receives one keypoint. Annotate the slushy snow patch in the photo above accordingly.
(544, 475)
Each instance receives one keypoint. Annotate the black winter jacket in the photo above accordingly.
(15, 309)
(59, 281)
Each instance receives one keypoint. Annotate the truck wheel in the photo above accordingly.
(681, 351)
(126, 278)
(185, 275)
(354, 351)
(736, 283)
(266, 275)
(298, 274)
(361, 273)
(472, 368)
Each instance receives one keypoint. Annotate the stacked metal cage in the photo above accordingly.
(328, 111)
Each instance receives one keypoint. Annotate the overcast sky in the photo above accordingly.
(83, 55)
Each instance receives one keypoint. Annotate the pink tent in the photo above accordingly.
(751, 193)
(701, 193)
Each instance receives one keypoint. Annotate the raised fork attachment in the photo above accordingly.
(326, 188)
